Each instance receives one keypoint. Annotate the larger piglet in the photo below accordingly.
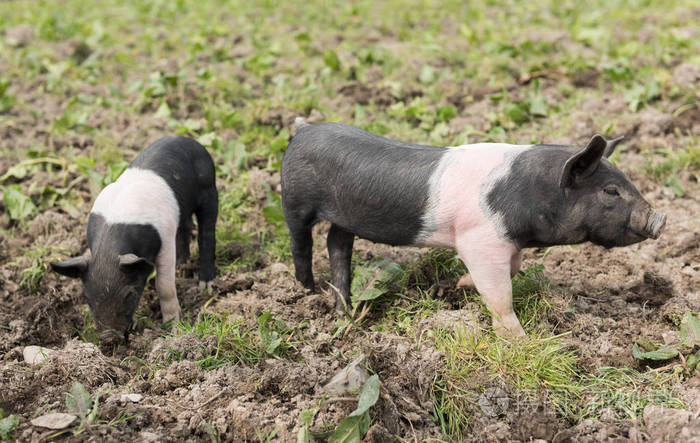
(488, 201)
(142, 222)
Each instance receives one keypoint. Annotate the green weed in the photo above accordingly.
(34, 265)
(234, 342)
(88, 332)
(7, 426)
(666, 170)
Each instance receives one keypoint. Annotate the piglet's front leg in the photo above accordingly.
(490, 269)
(165, 282)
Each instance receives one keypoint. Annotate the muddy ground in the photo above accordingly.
(612, 297)
(607, 299)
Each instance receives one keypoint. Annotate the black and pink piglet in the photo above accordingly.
(142, 222)
(487, 200)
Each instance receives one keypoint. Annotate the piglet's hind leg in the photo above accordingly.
(301, 246)
(206, 237)
(340, 244)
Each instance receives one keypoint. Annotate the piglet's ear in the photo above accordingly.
(134, 263)
(611, 144)
(583, 163)
(74, 267)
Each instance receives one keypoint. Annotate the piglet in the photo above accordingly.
(142, 222)
(487, 200)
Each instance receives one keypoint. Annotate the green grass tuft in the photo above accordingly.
(224, 341)
(540, 367)
(234, 342)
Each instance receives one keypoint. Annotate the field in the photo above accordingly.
(613, 335)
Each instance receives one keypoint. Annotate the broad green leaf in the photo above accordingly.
(362, 285)
(163, 110)
(446, 113)
(331, 59)
(18, 171)
(7, 427)
(538, 106)
(516, 112)
(272, 345)
(348, 431)
(368, 396)
(307, 416)
(690, 330)
(304, 435)
(264, 329)
(369, 282)
(47, 197)
(207, 139)
(661, 354)
(427, 74)
(367, 294)
(79, 400)
(646, 344)
(692, 361)
(18, 205)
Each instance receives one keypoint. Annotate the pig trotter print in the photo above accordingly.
(143, 222)
(488, 201)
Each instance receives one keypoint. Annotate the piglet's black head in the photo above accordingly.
(603, 203)
(113, 285)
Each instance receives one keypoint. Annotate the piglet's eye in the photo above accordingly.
(611, 191)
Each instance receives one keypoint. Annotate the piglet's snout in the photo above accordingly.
(655, 224)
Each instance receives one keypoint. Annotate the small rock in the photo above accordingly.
(54, 420)
(350, 378)
(278, 268)
(663, 423)
(149, 436)
(35, 355)
(133, 398)
(671, 337)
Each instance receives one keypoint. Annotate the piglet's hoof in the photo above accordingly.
(510, 331)
(465, 282)
(341, 309)
(206, 286)
(171, 318)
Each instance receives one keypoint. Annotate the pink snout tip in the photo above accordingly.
(655, 224)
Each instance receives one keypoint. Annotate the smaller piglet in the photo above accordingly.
(142, 222)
